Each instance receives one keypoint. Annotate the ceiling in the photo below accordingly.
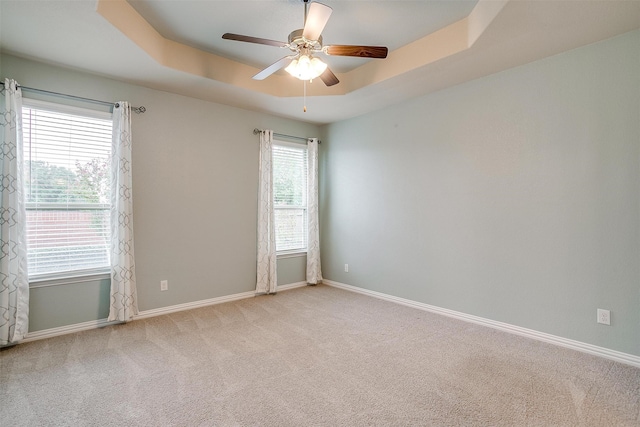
(176, 46)
(352, 22)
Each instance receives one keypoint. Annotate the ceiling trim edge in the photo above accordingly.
(450, 40)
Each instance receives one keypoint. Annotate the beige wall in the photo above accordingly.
(195, 196)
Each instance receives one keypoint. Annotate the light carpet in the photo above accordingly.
(313, 356)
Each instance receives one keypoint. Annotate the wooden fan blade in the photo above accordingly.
(249, 39)
(329, 78)
(316, 20)
(361, 51)
(281, 63)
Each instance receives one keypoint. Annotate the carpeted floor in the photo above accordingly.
(315, 356)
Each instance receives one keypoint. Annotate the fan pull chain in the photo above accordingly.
(304, 99)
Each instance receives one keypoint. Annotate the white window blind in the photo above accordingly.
(290, 196)
(67, 189)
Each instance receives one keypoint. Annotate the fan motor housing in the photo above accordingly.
(297, 41)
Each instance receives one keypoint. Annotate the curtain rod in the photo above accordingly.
(138, 110)
(257, 131)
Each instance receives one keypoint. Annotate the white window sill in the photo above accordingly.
(68, 278)
(291, 254)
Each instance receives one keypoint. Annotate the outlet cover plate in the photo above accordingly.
(604, 316)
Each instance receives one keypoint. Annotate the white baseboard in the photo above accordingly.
(529, 333)
(68, 329)
(291, 286)
(618, 356)
(100, 323)
(191, 305)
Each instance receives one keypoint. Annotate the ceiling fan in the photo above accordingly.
(306, 42)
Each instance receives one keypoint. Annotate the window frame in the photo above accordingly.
(78, 275)
(300, 252)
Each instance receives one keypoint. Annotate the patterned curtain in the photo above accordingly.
(124, 303)
(314, 274)
(267, 278)
(14, 279)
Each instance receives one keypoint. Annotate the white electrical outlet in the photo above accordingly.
(164, 285)
(346, 268)
(604, 317)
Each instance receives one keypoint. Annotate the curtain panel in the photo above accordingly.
(267, 278)
(14, 278)
(314, 274)
(124, 304)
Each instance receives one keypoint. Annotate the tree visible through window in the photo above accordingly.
(67, 188)
(290, 197)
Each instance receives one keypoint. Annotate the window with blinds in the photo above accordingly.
(290, 196)
(67, 154)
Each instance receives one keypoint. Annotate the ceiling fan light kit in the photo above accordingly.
(306, 68)
(306, 42)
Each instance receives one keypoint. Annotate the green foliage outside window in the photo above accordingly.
(48, 183)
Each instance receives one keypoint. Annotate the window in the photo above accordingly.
(67, 154)
(290, 196)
